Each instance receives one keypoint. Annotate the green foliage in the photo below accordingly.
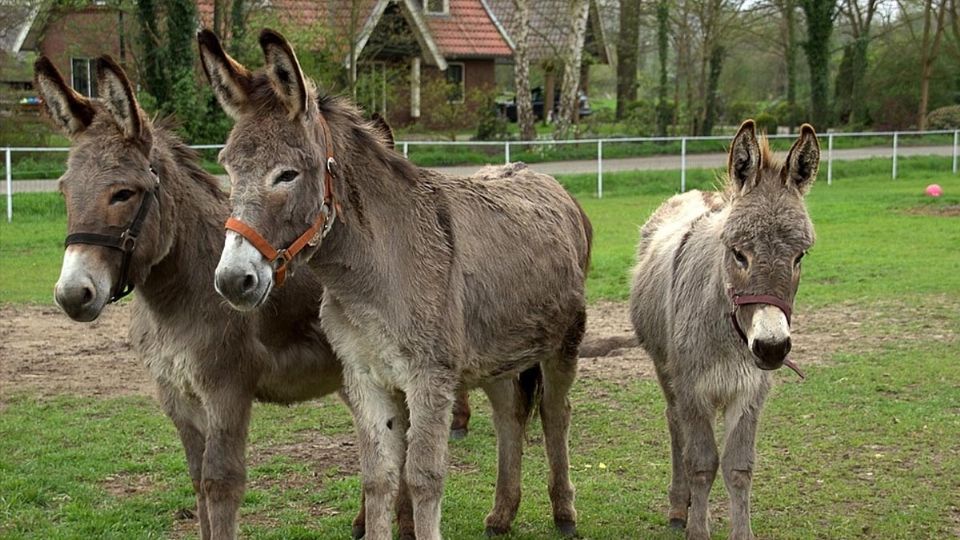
(944, 118)
(767, 123)
(819, 16)
(491, 126)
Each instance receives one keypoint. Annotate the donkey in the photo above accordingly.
(711, 301)
(428, 280)
(142, 212)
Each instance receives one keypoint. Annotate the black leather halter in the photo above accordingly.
(125, 241)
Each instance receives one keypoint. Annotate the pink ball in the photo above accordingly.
(934, 190)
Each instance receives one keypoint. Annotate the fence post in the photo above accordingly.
(599, 168)
(9, 187)
(506, 152)
(895, 133)
(406, 150)
(956, 136)
(830, 159)
(683, 164)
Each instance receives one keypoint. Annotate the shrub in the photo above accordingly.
(767, 123)
(944, 118)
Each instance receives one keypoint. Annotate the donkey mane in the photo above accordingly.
(345, 120)
(186, 158)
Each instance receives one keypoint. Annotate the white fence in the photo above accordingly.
(896, 149)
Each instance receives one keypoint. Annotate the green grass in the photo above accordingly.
(864, 448)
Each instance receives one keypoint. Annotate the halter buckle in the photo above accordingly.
(128, 241)
(283, 258)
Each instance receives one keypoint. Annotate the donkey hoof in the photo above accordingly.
(678, 524)
(359, 531)
(492, 531)
(458, 434)
(568, 529)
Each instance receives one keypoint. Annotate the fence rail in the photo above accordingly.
(895, 151)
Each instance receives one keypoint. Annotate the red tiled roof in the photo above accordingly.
(468, 30)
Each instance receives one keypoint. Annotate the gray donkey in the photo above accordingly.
(141, 211)
(712, 296)
(428, 280)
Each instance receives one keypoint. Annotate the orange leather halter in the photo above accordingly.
(312, 236)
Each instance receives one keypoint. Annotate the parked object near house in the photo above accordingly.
(537, 96)
(142, 212)
(711, 302)
(424, 284)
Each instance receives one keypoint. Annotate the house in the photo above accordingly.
(400, 46)
(549, 26)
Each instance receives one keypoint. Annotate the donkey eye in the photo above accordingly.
(740, 258)
(286, 176)
(121, 196)
(796, 262)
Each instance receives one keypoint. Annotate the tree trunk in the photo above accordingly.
(218, 17)
(930, 48)
(663, 41)
(521, 71)
(153, 52)
(717, 55)
(549, 90)
(790, 60)
(627, 48)
(238, 27)
(819, 15)
(572, 58)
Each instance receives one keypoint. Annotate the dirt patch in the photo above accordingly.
(127, 485)
(950, 210)
(325, 457)
(45, 353)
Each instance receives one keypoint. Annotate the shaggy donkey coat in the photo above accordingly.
(429, 280)
(209, 362)
(696, 253)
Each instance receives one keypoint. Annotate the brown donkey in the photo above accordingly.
(209, 362)
(712, 296)
(429, 280)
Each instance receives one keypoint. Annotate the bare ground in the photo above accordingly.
(45, 353)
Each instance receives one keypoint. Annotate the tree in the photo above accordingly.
(933, 28)
(663, 41)
(819, 15)
(716, 65)
(521, 70)
(850, 102)
(572, 58)
(627, 48)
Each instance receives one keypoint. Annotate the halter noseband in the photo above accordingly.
(748, 299)
(125, 242)
(312, 237)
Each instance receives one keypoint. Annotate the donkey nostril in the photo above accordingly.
(87, 296)
(249, 282)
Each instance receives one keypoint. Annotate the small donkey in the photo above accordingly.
(711, 301)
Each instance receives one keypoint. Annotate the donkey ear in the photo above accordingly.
(228, 78)
(381, 125)
(803, 161)
(743, 165)
(117, 94)
(70, 112)
(284, 71)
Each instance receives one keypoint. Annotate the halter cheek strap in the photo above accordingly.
(749, 299)
(312, 237)
(125, 241)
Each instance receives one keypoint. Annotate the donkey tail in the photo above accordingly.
(588, 232)
(530, 385)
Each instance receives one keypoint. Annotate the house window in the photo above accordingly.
(83, 77)
(455, 78)
(436, 7)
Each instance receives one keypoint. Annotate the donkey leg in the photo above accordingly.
(188, 417)
(700, 461)
(679, 492)
(430, 400)
(378, 420)
(461, 415)
(558, 376)
(737, 465)
(509, 420)
(224, 467)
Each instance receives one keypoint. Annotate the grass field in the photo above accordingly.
(866, 447)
